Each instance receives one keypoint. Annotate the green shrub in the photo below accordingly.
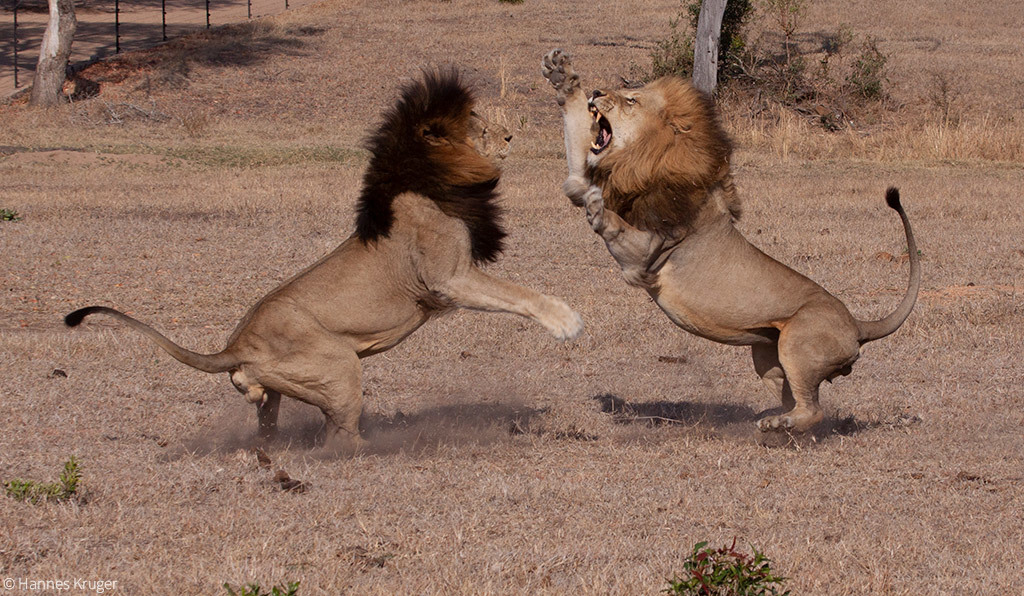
(815, 74)
(674, 55)
(732, 44)
(9, 215)
(867, 76)
(37, 492)
(726, 572)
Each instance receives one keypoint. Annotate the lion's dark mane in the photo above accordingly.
(404, 159)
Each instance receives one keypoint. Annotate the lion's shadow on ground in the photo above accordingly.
(446, 425)
(302, 427)
(724, 419)
(490, 423)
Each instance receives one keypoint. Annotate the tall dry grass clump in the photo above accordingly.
(983, 138)
(784, 134)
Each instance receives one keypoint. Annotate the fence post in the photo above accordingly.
(16, 3)
(249, 7)
(117, 26)
(286, 4)
(163, 18)
(207, 14)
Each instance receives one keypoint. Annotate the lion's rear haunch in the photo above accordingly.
(421, 147)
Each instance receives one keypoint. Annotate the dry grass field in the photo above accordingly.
(220, 165)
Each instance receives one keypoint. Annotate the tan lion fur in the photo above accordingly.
(651, 168)
(426, 217)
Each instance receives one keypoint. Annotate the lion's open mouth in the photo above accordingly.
(604, 132)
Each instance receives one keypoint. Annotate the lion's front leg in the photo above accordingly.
(637, 252)
(474, 289)
(600, 221)
(577, 121)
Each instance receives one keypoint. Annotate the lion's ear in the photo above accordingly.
(680, 121)
(432, 133)
(680, 125)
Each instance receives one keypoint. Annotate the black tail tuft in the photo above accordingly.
(892, 197)
(73, 319)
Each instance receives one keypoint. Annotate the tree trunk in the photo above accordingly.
(705, 49)
(53, 54)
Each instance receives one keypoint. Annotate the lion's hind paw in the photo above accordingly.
(797, 420)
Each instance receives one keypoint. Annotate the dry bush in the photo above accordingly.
(195, 123)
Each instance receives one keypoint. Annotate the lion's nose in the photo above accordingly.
(597, 93)
(508, 138)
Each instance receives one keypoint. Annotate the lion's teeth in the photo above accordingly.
(595, 146)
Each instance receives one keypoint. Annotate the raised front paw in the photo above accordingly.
(557, 69)
(563, 322)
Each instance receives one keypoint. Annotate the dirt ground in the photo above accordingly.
(501, 461)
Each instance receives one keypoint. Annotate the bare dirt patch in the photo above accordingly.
(63, 158)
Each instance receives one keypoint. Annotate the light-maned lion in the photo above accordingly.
(651, 166)
(426, 220)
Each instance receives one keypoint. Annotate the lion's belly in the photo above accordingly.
(707, 323)
(720, 287)
(716, 305)
(368, 344)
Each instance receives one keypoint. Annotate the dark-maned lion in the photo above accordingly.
(426, 219)
(651, 166)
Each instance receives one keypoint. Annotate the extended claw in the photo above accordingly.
(556, 66)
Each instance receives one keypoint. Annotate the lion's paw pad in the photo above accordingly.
(557, 69)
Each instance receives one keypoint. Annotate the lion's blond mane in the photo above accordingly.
(660, 180)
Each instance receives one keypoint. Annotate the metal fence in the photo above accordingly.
(107, 27)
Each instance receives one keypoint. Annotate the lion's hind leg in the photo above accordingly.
(768, 367)
(327, 375)
(814, 345)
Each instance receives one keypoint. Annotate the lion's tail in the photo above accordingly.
(872, 330)
(211, 363)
